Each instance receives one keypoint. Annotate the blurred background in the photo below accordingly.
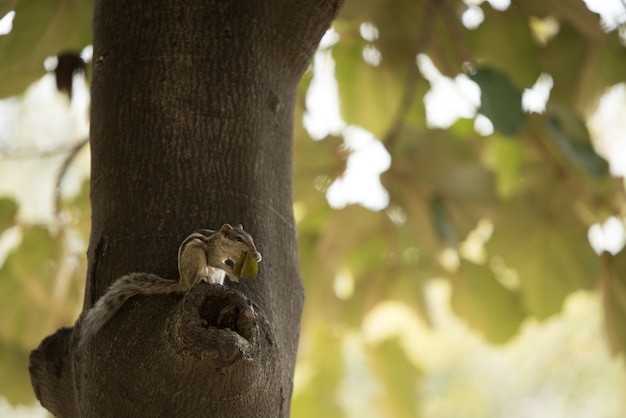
(458, 192)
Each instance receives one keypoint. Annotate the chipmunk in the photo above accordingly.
(205, 255)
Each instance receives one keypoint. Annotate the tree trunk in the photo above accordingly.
(191, 127)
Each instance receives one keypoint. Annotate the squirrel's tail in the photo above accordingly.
(120, 291)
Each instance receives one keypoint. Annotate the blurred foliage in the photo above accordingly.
(537, 179)
(613, 284)
(40, 27)
(41, 286)
(536, 182)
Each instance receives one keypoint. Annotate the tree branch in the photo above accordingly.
(73, 152)
(413, 74)
(454, 28)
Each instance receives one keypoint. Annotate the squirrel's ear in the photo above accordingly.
(226, 228)
(240, 226)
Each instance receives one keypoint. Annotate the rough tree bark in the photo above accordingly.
(191, 127)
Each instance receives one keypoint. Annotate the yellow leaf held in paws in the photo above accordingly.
(246, 266)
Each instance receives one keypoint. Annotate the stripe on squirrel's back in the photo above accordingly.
(203, 235)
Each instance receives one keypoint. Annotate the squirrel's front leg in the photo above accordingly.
(230, 273)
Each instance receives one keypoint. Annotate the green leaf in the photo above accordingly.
(485, 304)
(506, 159)
(35, 257)
(538, 235)
(368, 96)
(500, 101)
(26, 283)
(504, 41)
(571, 136)
(246, 266)
(41, 28)
(563, 58)
(8, 211)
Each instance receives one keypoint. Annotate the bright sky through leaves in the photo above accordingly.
(447, 101)
(6, 23)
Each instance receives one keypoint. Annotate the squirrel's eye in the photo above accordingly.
(239, 239)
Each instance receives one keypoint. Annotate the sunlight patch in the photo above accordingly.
(343, 285)
(609, 236)
(483, 125)
(6, 23)
(372, 55)
(543, 29)
(473, 17)
(369, 31)
(360, 183)
(42, 122)
(391, 319)
(359, 389)
(473, 248)
(534, 99)
(322, 116)
(612, 12)
(607, 126)
(448, 99)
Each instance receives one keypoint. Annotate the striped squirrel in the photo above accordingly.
(205, 255)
